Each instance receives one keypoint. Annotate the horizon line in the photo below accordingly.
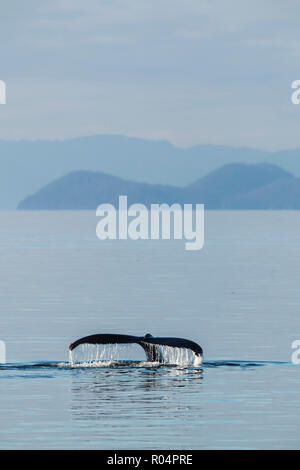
(146, 139)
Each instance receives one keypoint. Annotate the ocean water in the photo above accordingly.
(239, 298)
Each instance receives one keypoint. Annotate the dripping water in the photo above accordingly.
(108, 354)
(179, 356)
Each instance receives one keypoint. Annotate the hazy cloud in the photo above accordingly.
(192, 72)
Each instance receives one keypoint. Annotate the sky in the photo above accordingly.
(190, 72)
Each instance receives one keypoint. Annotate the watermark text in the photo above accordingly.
(2, 92)
(160, 222)
(2, 352)
(296, 94)
(296, 354)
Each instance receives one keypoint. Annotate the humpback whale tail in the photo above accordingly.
(150, 344)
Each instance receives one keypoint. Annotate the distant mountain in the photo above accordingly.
(27, 166)
(225, 188)
(87, 189)
(229, 182)
(280, 194)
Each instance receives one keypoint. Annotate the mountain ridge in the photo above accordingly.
(224, 188)
(26, 166)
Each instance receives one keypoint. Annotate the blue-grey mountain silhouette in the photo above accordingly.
(233, 186)
(26, 166)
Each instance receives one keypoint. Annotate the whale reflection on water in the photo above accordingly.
(129, 392)
(135, 393)
(124, 403)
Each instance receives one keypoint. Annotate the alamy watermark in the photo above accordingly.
(161, 221)
(296, 94)
(296, 354)
(2, 352)
(2, 92)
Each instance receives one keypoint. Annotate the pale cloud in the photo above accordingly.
(58, 109)
(193, 72)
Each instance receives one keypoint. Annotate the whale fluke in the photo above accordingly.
(103, 339)
(149, 343)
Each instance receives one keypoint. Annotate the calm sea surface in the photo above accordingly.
(239, 298)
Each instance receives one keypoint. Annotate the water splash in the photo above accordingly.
(91, 354)
(71, 362)
(29, 366)
(95, 355)
(179, 356)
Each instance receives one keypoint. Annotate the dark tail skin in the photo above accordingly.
(147, 342)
